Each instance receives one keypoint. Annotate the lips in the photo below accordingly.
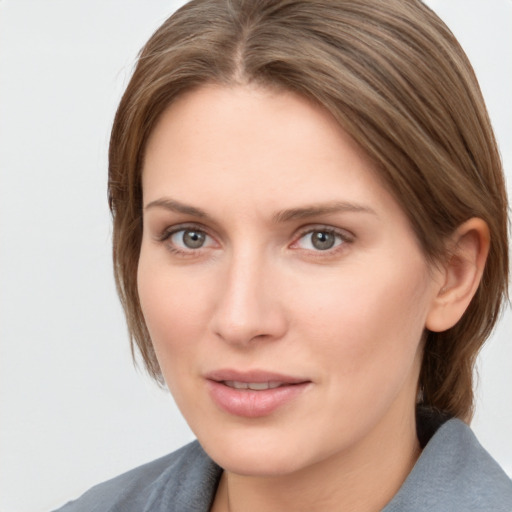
(253, 394)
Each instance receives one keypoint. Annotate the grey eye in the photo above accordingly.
(188, 238)
(322, 240)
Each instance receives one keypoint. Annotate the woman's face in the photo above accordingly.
(282, 285)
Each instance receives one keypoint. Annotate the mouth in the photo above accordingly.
(254, 386)
(253, 394)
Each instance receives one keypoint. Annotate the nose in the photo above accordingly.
(249, 305)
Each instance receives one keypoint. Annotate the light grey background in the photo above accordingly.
(73, 411)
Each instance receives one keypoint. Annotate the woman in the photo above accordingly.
(310, 244)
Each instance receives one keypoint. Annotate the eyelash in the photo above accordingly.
(168, 233)
(342, 238)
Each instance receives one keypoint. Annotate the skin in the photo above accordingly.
(259, 295)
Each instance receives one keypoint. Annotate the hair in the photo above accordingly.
(395, 79)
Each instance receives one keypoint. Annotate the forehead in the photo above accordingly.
(213, 127)
(256, 148)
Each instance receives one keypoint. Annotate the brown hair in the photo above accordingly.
(396, 80)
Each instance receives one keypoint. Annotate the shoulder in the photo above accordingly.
(187, 477)
(454, 473)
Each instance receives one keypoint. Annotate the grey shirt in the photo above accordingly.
(453, 474)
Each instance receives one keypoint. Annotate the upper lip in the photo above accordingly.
(222, 375)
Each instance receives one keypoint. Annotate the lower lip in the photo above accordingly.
(253, 404)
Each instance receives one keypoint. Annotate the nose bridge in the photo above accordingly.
(247, 308)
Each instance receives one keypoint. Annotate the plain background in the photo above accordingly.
(73, 410)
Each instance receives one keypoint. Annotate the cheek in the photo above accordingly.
(172, 315)
(369, 321)
(172, 307)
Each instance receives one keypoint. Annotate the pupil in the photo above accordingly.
(193, 239)
(322, 240)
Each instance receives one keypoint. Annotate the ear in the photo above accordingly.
(462, 271)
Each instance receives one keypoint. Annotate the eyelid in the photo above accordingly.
(345, 235)
(168, 231)
(166, 234)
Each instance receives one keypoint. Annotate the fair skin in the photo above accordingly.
(272, 253)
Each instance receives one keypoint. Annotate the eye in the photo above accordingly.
(188, 239)
(321, 240)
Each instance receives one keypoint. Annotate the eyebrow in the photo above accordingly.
(316, 210)
(176, 206)
(281, 216)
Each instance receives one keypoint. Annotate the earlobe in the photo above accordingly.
(462, 271)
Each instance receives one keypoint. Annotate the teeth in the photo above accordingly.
(237, 385)
(259, 386)
(255, 386)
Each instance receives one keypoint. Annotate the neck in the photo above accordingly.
(363, 479)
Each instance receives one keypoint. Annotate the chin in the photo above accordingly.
(256, 454)
(262, 464)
